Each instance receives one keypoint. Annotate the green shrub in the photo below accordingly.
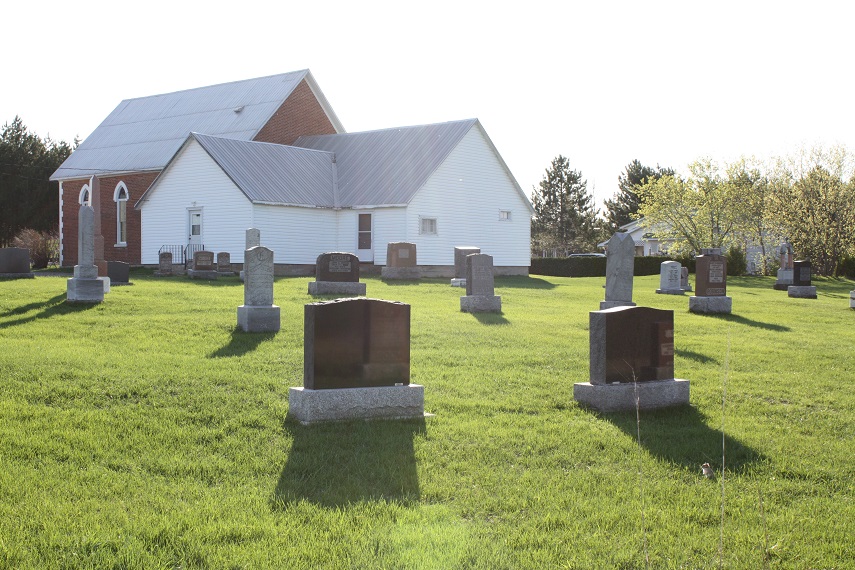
(43, 246)
(737, 262)
(589, 266)
(847, 268)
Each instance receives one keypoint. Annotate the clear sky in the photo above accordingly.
(602, 83)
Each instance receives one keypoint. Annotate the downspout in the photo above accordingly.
(60, 223)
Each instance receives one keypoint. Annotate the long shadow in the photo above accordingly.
(33, 306)
(696, 356)
(240, 343)
(523, 282)
(491, 318)
(749, 322)
(337, 464)
(681, 436)
(58, 307)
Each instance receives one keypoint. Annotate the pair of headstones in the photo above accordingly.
(337, 273)
(15, 263)
(460, 270)
(480, 286)
(671, 278)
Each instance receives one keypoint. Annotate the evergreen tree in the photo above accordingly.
(564, 212)
(622, 208)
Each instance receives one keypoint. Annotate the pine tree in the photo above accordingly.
(564, 212)
(622, 208)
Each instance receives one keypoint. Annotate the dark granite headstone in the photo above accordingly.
(631, 344)
(801, 273)
(118, 272)
(337, 267)
(460, 254)
(203, 260)
(14, 260)
(224, 262)
(401, 254)
(710, 275)
(356, 343)
(479, 274)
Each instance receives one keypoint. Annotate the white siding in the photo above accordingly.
(390, 225)
(465, 195)
(193, 180)
(296, 235)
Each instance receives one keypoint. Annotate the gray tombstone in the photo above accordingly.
(669, 278)
(684, 279)
(253, 239)
(15, 263)
(460, 254)
(85, 287)
(224, 263)
(258, 313)
(118, 272)
(203, 266)
(620, 266)
(480, 294)
(852, 299)
(631, 361)
(711, 284)
(401, 261)
(164, 264)
(337, 273)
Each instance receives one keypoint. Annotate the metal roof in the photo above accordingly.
(387, 167)
(145, 133)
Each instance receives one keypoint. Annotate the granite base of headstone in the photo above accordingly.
(631, 361)
(15, 263)
(460, 255)
(337, 273)
(85, 286)
(710, 284)
(119, 273)
(258, 313)
(203, 266)
(711, 305)
(105, 282)
(480, 292)
(401, 262)
(85, 290)
(669, 278)
(802, 291)
(356, 363)
(784, 280)
(164, 265)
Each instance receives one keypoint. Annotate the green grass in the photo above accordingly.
(146, 432)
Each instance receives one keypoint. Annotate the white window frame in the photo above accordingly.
(121, 197)
(85, 196)
(433, 231)
(505, 215)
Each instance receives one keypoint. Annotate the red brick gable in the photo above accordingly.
(299, 115)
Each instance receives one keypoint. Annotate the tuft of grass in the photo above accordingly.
(148, 432)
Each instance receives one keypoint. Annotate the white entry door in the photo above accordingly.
(194, 237)
(365, 238)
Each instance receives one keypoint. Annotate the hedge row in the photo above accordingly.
(589, 266)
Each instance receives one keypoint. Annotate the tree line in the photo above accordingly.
(808, 198)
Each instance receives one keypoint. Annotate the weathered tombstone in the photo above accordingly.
(710, 284)
(164, 264)
(119, 272)
(85, 287)
(253, 239)
(669, 278)
(337, 273)
(620, 266)
(224, 263)
(356, 363)
(15, 263)
(785, 271)
(631, 360)
(684, 279)
(203, 265)
(480, 293)
(460, 255)
(401, 261)
(852, 299)
(258, 313)
(801, 287)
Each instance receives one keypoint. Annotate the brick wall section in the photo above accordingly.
(299, 115)
(137, 184)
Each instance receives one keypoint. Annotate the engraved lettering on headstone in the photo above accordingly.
(339, 264)
(716, 273)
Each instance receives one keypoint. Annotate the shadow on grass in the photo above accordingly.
(523, 282)
(749, 322)
(681, 436)
(491, 318)
(340, 463)
(52, 307)
(240, 343)
(696, 356)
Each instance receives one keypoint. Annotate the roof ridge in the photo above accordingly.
(387, 129)
(300, 71)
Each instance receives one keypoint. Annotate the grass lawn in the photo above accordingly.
(146, 432)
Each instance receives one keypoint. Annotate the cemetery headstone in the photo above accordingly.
(85, 287)
(356, 362)
(337, 273)
(164, 264)
(710, 283)
(480, 292)
(460, 255)
(631, 356)
(401, 261)
(258, 313)
(801, 287)
(852, 299)
(15, 263)
(119, 272)
(684, 279)
(203, 266)
(785, 271)
(224, 263)
(669, 278)
(253, 239)
(620, 266)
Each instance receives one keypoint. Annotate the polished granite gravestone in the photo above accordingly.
(401, 262)
(620, 266)
(710, 284)
(801, 287)
(15, 263)
(258, 313)
(631, 360)
(460, 255)
(85, 286)
(669, 278)
(480, 293)
(356, 363)
(119, 272)
(337, 273)
(203, 266)
(164, 264)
